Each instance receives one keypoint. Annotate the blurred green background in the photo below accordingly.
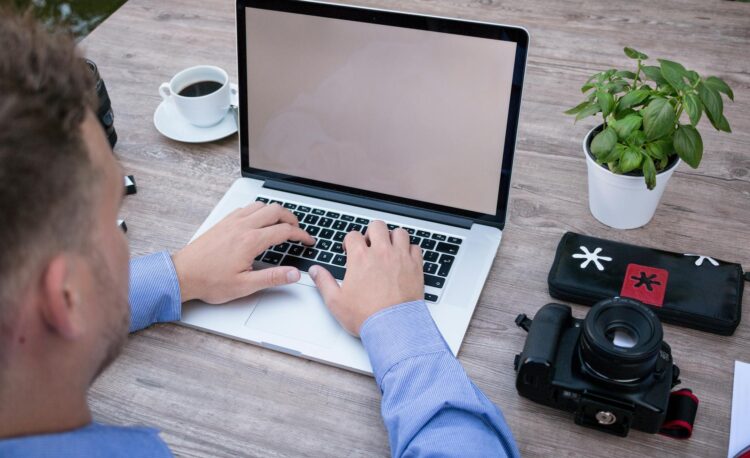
(81, 16)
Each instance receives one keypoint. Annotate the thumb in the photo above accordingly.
(274, 276)
(326, 284)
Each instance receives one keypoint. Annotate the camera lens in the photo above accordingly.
(104, 111)
(621, 340)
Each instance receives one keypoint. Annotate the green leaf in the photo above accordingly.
(723, 125)
(603, 142)
(613, 155)
(718, 84)
(673, 73)
(633, 54)
(625, 74)
(626, 125)
(587, 87)
(631, 160)
(712, 103)
(619, 114)
(689, 145)
(637, 138)
(649, 172)
(653, 73)
(659, 149)
(658, 118)
(692, 76)
(633, 98)
(577, 108)
(591, 109)
(606, 102)
(694, 108)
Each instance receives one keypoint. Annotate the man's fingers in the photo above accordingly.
(400, 238)
(255, 280)
(354, 242)
(327, 285)
(377, 233)
(278, 233)
(250, 209)
(271, 214)
(416, 253)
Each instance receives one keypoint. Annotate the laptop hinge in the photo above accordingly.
(374, 204)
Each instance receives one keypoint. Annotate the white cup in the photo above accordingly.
(202, 110)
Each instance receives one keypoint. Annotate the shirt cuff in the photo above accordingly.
(154, 291)
(400, 332)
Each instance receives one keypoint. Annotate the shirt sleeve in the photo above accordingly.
(430, 406)
(154, 293)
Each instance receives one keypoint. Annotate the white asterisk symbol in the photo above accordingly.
(699, 261)
(591, 257)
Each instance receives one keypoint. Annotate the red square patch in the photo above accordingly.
(647, 284)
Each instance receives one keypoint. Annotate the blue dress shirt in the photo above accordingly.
(430, 407)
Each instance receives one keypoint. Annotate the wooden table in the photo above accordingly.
(212, 396)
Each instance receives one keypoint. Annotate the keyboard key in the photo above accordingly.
(337, 247)
(333, 215)
(444, 270)
(325, 256)
(312, 230)
(439, 237)
(290, 206)
(296, 250)
(430, 297)
(277, 202)
(305, 264)
(272, 257)
(339, 260)
(300, 216)
(410, 230)
(261, 199)
(317, 211)
(431, 280)
(428, 244)
(326, 234)
(302, 226)
(347, 217)
(310, 253)
(303, 208)
(259, 257)
(354, 227)
(455, 240)
(362, 221)
(281, 247)
(391, 226)
(430, 256)
(447, 259)
(430, 268)
(325, 222)
(447, 248)
(339, 237)
(323, 244)
(414, 240)
(311, 219)
(340, 225)
(423, 233)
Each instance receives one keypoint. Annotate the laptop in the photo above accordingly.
(349, 115)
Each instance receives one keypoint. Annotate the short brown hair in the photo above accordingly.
(46, 89)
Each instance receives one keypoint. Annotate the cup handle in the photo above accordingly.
(164, 91)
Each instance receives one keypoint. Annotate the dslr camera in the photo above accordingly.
(104, 111)
(612, 368)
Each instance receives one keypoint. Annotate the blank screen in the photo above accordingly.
(410, 113)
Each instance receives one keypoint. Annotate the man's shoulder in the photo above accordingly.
(93, 440)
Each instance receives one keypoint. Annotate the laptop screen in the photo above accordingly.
(412, 113)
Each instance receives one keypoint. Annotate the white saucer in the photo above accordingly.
(170, 123)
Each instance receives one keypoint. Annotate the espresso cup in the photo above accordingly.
(202, 94)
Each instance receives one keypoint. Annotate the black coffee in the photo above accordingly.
(200, 88)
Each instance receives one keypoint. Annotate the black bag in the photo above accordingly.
(686, 289)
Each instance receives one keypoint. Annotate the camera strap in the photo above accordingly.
(683, 405)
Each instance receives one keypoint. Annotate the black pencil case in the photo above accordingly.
(690, 290)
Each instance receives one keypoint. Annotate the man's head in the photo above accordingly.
(63, 260)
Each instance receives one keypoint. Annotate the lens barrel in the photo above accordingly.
(104, 112)
(621, 361)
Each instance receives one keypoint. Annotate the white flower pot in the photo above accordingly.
(622, 201)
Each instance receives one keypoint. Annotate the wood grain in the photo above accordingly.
(215, 397)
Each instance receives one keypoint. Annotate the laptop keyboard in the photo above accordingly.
(329, 228)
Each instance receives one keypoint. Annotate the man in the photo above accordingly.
(64, 310)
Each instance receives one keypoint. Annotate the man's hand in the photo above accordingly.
(217, 267)
(382, 269)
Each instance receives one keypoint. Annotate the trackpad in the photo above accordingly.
(295, 311)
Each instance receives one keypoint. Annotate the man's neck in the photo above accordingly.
(40, 404)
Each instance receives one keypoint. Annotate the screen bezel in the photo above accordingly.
(414, 21)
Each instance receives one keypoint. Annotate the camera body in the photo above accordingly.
(611, 368)
(104, 111)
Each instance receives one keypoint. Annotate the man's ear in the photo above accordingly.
(60, 299)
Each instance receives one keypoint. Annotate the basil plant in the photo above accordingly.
(644, 126)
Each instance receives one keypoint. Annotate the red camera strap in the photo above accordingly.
(678, 424)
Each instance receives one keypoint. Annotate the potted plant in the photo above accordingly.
(649, 126)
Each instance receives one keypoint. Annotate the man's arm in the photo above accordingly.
(429, 405)
(216, 267)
